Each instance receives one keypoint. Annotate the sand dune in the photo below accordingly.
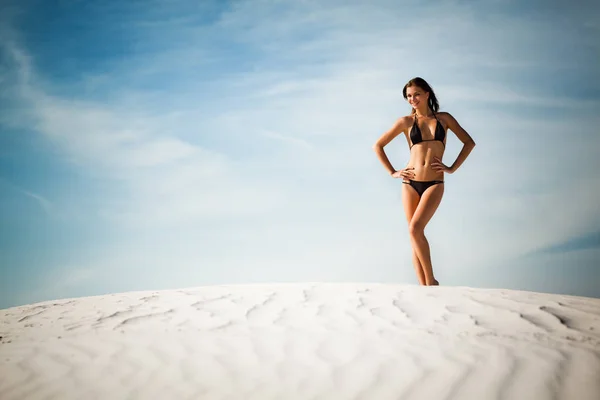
(304, 341)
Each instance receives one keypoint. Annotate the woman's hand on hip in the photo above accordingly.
(438, 166)
(405, 173)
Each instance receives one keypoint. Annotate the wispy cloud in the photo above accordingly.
(45, 204)
(584, 242)
(63, 281)
(288, 139)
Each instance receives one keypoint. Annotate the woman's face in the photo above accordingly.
(415, 96)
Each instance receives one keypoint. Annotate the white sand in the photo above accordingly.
(304, 341)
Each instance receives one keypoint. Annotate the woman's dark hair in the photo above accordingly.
(423, 85)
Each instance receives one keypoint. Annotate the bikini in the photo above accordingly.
(417, 137)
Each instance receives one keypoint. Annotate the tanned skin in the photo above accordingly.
(425, 164)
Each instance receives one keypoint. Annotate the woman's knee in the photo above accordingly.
(415, 228)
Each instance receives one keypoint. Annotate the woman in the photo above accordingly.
(425, 130)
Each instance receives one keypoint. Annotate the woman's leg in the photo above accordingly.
(418, 268)
(428, 204)
(410, 200)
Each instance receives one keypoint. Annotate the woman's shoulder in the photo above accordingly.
(404, 121)
(407, 118)
(445, 117)
(444, 114)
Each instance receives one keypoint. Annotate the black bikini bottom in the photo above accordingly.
(421, 186)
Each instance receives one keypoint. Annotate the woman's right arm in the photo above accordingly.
(387, 137)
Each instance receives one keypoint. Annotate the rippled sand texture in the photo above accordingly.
(304, 341)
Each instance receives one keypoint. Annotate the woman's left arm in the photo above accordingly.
(464, 137)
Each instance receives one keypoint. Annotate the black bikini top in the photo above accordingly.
(417, 137)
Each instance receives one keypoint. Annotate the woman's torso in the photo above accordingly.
(422, 153)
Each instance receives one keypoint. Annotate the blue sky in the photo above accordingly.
(164, 144)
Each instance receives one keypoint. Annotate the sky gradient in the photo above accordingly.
(166, 144)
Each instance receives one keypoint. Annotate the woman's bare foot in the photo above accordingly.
(435, 283)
